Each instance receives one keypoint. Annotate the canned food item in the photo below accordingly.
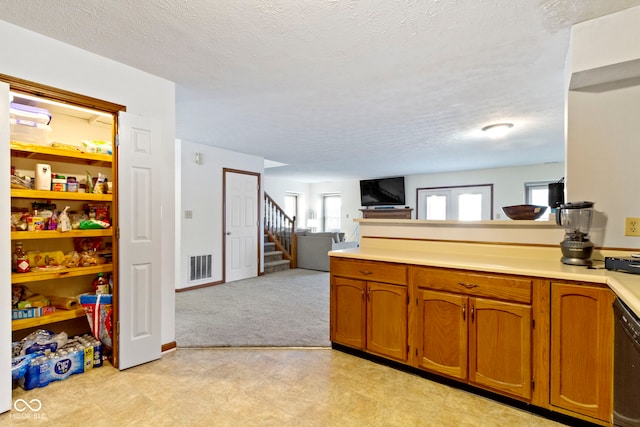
(35, 223)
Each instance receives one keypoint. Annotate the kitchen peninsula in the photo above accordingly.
(487, 304)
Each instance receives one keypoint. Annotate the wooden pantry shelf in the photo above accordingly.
(60, 195)
(43, 152)
(57, 316)
(34, 276)
(51, 234)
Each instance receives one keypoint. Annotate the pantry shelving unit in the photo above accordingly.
(74, 117)
(44, 153)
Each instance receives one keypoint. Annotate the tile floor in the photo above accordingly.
(259, 387)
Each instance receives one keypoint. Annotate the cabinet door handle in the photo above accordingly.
(365, 272)
(363, 295)
(468, 285)
(368, 294)
(464, 312)
(473, 311)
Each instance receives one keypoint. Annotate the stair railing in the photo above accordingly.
(280, 229)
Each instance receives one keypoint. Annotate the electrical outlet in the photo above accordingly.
(632, 226)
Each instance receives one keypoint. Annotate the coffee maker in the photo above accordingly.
(576, 219)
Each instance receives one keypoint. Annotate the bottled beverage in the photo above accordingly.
(101, 284)
(22, 262)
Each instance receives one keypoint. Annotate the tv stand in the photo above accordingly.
(386, 213)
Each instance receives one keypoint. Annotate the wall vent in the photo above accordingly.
(200, 267)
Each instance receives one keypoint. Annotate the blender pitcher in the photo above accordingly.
(576, 219)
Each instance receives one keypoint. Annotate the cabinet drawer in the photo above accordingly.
(369, 270)
(507, 288)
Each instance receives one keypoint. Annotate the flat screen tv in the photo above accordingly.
(382, 191)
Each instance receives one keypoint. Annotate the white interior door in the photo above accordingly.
(139, 219)
(5, 254)
(241, 225)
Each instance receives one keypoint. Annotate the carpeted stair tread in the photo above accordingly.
(273, 266)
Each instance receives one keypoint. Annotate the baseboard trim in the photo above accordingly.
(204, 285)
(168, 346)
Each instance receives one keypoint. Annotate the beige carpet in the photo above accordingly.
(283, 309)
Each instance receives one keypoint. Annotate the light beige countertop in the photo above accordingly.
(534, 262)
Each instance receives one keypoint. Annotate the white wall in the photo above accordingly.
(601, 42)
(603, 130)
(349, 191)
(508, 183)
(508, 190)
(5, 250)
(201, 193)
(40, 59)
(277, 188)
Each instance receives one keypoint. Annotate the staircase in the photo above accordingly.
(279, 238)
(273, 260)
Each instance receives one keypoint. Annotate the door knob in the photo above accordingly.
(228, 233)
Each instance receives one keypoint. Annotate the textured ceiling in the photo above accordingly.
(344, 89)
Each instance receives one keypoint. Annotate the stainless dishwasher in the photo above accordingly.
(626, 376)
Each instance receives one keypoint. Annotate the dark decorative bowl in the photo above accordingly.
(526, 212)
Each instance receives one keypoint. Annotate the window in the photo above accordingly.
(331, 212)
(462, 203)
(291, 205)
(537, 193)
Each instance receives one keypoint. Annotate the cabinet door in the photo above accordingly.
(500, 346)
(387, 309)
(582, 349)
(442, 336)
(348, 315)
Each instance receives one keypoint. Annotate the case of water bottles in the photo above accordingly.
(43, 366)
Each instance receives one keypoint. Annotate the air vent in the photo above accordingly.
(200, 267)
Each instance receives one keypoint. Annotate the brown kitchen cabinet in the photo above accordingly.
(543, 341)
(442, 345)
(581, 367)
(348, 312)
(486, 342)
(369, 307)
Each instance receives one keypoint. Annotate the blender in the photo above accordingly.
(576, 218)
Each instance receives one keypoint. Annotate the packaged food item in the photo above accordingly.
(44, 259)
(97, 146)
(22, 261)
(97, 211)
(35, 223)
(99, 311)
(59, 184)
(53, 222)
(64, 223)
(98, 186)
(18, 293)
(72, 184)
(101, 284)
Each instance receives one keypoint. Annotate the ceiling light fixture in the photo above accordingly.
(497, 130)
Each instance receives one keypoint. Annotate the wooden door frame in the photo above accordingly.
(52, 93)
(224, 217)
